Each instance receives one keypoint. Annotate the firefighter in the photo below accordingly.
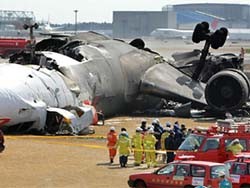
(149, 146)
(224, 182)
(164, 136)
(235, 147)
(111, 143)
(178, 134)
(137, 145)
(170, 145)
(158, 129)
(125, 130)
(144, 125)
(123, 144)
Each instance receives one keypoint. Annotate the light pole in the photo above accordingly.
(32, 39)
(75, 20)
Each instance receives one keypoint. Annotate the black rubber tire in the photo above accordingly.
(189, 186)
(140, 184)
(245, 186)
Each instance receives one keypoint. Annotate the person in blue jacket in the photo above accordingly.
(224, 182)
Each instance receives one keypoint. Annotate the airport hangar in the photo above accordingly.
(131, 24)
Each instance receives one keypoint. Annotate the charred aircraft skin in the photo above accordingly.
(112, 75)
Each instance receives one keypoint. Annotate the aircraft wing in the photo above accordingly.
(164, 80)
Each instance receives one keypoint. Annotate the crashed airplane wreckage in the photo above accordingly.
(59, 88)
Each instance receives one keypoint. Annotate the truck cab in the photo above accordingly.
(239, 169)
(211, 144)
(179, 174)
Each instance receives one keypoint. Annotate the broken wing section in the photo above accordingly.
(163, 80)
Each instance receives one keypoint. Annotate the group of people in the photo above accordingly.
(122, 141)
(148, 139)
(145, 142)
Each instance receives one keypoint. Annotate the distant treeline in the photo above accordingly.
(85, 26)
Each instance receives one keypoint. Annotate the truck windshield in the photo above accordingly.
(217, 169)
(192, 142)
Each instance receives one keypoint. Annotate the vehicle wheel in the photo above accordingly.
(140, 184)
(189, 186)
(244, 186)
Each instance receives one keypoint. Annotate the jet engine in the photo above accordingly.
(227, 90)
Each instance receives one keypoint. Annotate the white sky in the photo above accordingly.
(62, 11)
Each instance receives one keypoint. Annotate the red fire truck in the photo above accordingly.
(9, 46)
(240, 170)
(179, 174)
(211, 144)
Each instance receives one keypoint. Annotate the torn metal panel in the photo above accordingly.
(165, 81)
(72, 120)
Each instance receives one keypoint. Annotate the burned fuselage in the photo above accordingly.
(111, 76)
(102, 72)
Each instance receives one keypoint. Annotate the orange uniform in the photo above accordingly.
(112, 140)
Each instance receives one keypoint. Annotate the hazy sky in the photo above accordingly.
(62, 11)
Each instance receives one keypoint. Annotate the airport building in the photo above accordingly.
(228, 15)
(129, 24)
(11, 22)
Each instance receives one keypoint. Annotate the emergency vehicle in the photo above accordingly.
(239, 169)
(211, 144)
(181, 174)
(10, 46)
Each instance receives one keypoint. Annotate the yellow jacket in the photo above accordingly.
(124, 145)
(163, 138)
(149, 142)
(235, 148)
(137, 140)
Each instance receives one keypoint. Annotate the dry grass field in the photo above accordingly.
(74, 161)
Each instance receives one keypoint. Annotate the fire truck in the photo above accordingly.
(211, 144)
(183, 173)
(240, 170)
(10, 46)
